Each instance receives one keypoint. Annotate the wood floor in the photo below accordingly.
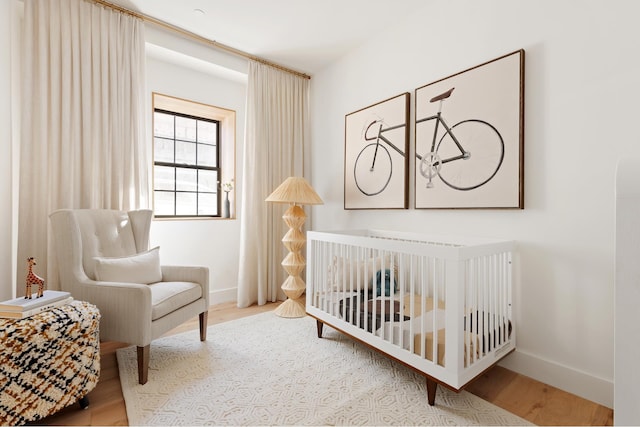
(534, 401)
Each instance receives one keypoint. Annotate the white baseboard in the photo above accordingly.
(580, 383)
(223, 295)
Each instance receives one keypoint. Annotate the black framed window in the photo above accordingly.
(186, 171)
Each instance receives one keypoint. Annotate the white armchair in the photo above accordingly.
(109, 244)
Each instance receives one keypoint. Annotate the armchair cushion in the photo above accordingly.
(139, 268)
(167, 297)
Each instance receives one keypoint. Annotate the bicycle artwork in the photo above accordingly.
(476, 152)
(376, 163)
(469, 137)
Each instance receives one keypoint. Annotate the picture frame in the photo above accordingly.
(376, 155)
(469, 138)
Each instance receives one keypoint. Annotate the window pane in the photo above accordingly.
(185, 128)
(190, 148)
(163, 125)
(186, 179)
(163, 203)
(207, 204)
(163, 178)
(163, 150)
(208, 181)
(186, 204)
(185, 153)
(207, 132)
(207, 155)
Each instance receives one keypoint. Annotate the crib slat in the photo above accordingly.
(435, 298)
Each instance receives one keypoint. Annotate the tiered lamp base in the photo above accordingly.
(293, 263)
(291, 308)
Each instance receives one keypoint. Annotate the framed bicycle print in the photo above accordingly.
(469, 137)
(376, 163)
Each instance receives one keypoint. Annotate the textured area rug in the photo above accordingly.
(267, 370)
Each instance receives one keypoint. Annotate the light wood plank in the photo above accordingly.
(537, 402)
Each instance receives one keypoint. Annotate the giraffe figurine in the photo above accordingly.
(33, 279)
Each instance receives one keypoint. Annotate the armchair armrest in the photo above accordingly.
(121, 305)
(200, 275)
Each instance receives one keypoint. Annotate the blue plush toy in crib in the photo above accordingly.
(388, 280)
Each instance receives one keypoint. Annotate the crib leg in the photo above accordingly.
(319, 325)
(431, 391)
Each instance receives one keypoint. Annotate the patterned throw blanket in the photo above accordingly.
(360, 312)
(48, 361)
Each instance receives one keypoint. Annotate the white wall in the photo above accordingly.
(213, 243)
(581, 107)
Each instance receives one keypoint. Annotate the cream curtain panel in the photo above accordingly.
(276, 129)
(83, 136)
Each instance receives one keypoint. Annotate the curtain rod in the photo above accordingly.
(199, 38)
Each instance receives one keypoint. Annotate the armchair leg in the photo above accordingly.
(143, 363)
(203, 325)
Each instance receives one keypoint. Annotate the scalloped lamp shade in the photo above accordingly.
(295, 190)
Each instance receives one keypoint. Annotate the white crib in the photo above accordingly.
(397, 291)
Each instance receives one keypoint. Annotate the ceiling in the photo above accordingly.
(303, 35)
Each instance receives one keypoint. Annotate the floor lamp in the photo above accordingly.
(296, 191)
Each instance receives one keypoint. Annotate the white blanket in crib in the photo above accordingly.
(429, 322)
